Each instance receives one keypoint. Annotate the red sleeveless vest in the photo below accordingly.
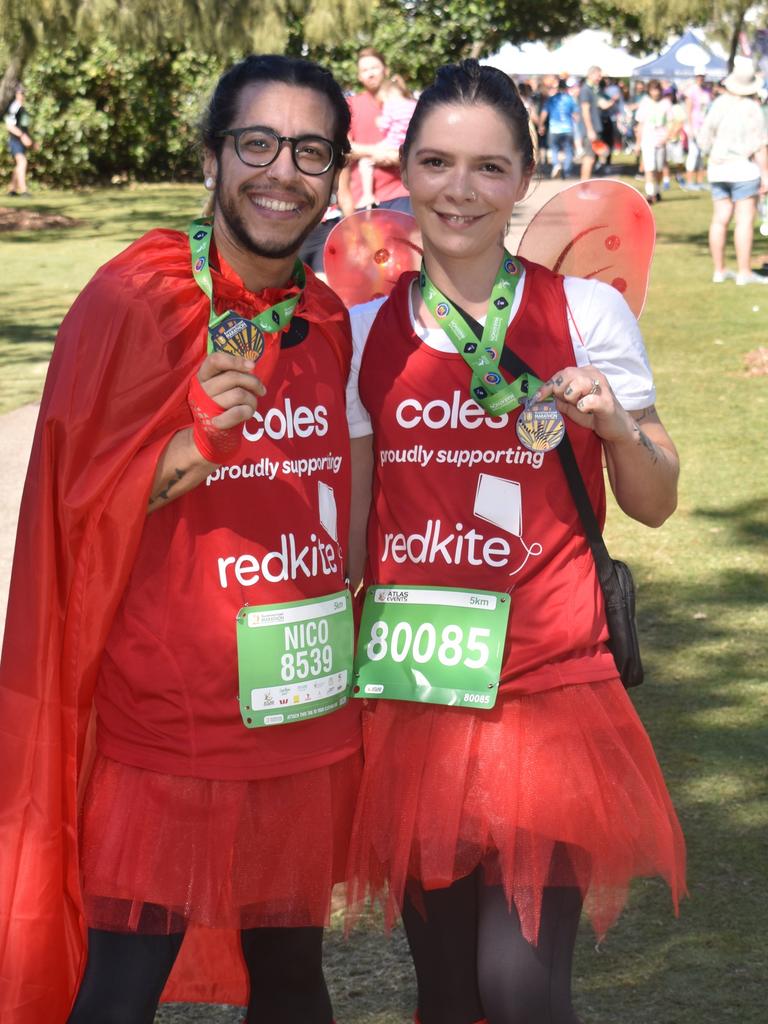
(459, 502)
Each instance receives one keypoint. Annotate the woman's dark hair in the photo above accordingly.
(473, 83)
(268, 68)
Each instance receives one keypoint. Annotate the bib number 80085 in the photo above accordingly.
(421, 645)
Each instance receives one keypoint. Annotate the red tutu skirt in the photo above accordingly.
(557, 788)
(160, 852)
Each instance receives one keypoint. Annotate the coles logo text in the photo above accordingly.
(286, 421)
(460, 413)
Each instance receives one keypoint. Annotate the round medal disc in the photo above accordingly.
(540, 426)
(239, 336)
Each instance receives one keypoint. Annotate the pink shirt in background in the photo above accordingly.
(394, 119)
(387, 183)
(699, 100)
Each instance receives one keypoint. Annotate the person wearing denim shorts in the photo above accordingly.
(735, 136)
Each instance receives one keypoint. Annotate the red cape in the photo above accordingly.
(115, 394)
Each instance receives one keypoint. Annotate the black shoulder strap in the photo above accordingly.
(514, 365)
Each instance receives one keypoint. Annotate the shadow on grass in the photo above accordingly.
(703, 642)
(747, 521)
(24, 333)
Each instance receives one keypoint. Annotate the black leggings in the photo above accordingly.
(472, 962)
(126, 974)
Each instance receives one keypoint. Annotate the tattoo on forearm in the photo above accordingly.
(649, 446)
(164, 494)
(645, 414)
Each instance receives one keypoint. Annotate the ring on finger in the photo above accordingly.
(595, 389)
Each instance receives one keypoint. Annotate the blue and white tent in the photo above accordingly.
(684, 59)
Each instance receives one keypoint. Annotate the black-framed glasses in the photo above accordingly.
(259, 147)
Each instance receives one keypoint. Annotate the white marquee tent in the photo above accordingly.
(575, 57)
(579, 53)
(523, 61)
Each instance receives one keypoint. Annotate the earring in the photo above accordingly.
(333, 199)
(209, 183)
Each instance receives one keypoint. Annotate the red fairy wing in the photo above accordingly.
(367, 252)
(596, 229)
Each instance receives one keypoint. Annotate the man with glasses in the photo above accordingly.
(179, 597)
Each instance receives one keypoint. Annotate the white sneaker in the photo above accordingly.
(742, 279)
(719, 276)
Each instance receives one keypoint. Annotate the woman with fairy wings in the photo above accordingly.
(490, 828)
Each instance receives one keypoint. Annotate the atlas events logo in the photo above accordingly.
(438, 414)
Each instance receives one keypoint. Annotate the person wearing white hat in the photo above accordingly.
(735, 136)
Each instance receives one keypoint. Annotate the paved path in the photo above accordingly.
(17, 428)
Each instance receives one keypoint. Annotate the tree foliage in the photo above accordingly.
(105, 113)
(417, 36)
(656, 21)
(218, 27)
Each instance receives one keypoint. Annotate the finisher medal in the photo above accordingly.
(239, 336)
(257, 339)
(540, 426)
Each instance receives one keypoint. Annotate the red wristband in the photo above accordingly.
(215, 445)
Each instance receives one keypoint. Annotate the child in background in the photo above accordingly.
(653, 125)
(677, 141)
(396, 110)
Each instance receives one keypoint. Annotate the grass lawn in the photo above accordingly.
(44, 270)
(703, 609)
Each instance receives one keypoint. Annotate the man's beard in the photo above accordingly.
(236, 226)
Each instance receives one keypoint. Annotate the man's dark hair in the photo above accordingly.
(471, 83)
(268, 68)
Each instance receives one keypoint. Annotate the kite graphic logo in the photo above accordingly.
(500, 303)
(500, 502)
(199, 235)
(326, 500)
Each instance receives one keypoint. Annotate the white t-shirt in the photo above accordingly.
(604, 334)
(10, 114)
(733, 131)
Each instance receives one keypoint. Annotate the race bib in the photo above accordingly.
(294, 659)
(435, 645)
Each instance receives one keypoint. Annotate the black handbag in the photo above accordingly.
(615, 577)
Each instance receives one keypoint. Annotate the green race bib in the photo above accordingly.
(435, 645)
(294, 659)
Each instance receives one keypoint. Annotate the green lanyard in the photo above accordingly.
(488, 387)
(229, 331)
